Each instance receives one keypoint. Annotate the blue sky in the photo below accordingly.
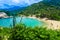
(17, 2)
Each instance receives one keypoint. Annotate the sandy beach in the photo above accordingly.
(51, 24)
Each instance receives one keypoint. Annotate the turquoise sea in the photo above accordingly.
(29, 22)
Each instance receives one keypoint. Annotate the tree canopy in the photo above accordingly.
(43, 9)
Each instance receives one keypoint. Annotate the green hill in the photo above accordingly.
(53, 2)
(43, 9)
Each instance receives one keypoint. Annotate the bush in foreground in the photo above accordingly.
(4, 33)
(21, 32)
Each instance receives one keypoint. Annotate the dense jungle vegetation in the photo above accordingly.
(43, 9)
(21, 32)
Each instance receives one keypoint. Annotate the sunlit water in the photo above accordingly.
(29, 22)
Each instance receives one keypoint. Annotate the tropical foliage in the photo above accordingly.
(4, 33)
(21, 32)
(43, 9)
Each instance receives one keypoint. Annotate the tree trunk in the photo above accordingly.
(14, 21)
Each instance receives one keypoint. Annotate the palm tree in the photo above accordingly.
(13, 14)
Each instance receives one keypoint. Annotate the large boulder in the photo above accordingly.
(3, 15)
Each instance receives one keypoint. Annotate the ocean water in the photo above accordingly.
(29, 22)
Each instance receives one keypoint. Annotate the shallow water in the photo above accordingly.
(29, 22)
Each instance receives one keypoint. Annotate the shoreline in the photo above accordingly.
(51, 24)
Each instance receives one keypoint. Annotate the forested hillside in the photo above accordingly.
(43, 9)
(53, 2)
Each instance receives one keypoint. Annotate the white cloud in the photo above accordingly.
(16, 1)
(31, 1)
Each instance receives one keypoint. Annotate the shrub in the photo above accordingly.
(21, 32)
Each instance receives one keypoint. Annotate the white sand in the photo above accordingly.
(51, 24)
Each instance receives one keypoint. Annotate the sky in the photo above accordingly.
(5, 3)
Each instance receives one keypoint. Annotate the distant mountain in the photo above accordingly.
(4, 4)
(15, 8)
(11, 7)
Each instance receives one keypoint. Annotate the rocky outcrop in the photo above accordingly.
(3, 15)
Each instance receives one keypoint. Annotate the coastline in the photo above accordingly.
(51, 24)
